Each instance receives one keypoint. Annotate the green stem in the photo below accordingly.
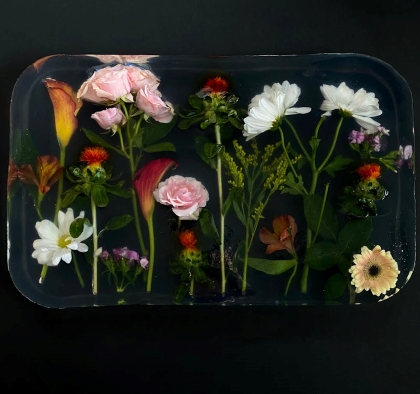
(222, 217)
(95, 247)
(305, 152)
(60, 183)
(321, 214)
(291, 276)
(289, 162)
(245, 272)
(192, 287)
(352, 294)
(304, 280)
(337, 131)
(151, 253)
(76, 267)
(57, 206)
(318, 126)
(38, 204)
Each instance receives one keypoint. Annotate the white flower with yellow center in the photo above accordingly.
(374, 270)
(362, 106)
(56, 243)
(268, 108)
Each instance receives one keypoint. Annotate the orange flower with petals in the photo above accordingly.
(66, 106)
(48, 171)
(13, 174)
(188, 240)
(94, 157)
(216, 85)
(285, 230)
(369, 172)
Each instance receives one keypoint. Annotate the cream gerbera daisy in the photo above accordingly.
(374, 270)
(266, 109)
(362, 106)
(56, 243)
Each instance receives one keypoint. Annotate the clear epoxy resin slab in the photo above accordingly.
(254, 180)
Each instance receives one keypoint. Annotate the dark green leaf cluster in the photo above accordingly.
(94, 183)
(212, 109)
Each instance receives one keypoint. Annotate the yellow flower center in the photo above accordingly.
(64, 241)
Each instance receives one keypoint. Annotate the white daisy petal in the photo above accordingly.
(270, 106)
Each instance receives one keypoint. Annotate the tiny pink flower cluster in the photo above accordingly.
(129, 84)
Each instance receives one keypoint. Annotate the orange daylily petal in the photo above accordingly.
(27, 175)
(49, 171)
(146, 180)
(13, 174)
(65, 106)
(266, 237)
(274, 247)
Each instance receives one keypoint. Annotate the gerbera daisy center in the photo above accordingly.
(373, 271)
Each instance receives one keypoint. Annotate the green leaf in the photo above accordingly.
(200, 142)
(239, 212)
(354, 235)
(208, 226)
(235, 123)
(185, 123)
(344, 266)
(199, 275)
(99, 195)
(195, 101)
(338, 163)
(24, 149)
(77, 225)
(314, 142)
(335, 286)
(271, 267)
(160, 147)
(70, 196)
(235, 194)
(312, 204)
(118, 190)
(153, 131)
(292, 186)
(118, 222)
(180, 292)
(390, 160)
(96, 140)
(323, 255)
(212, 150)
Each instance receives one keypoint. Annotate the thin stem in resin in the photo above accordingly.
(95, 247)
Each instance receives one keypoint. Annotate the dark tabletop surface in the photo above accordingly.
(314, 349)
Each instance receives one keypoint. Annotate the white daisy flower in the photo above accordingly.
(266, 109)
(56, 243)
(374, 270)
(362, 106)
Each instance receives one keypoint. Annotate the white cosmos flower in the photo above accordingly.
(360, 105)
(267, 109)
(56, 243)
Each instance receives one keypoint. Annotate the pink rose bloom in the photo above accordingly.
(140, 78)
(152, 104)
(186, 195)
(110, 118)
(107, 85)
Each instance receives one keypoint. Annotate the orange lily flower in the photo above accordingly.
(48, 170)
(146, 180)
(66, 106)
(13, 174)
(285, 230)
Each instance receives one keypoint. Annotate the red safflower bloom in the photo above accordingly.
(94, 156)
(369, 171)
(285, 230)
(188, 240)
(216, 85)
(48, 170)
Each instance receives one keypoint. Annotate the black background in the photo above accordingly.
(320, 349)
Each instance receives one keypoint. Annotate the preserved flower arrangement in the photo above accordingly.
(223, 192)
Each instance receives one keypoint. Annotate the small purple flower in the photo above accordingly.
(144, 262)
(356, 137)
(405, 155)
(376, 143)
(104, 255)
(125, 253)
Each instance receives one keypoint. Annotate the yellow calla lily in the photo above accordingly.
(66, 106)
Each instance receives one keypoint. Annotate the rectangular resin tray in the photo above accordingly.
(254, 180)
